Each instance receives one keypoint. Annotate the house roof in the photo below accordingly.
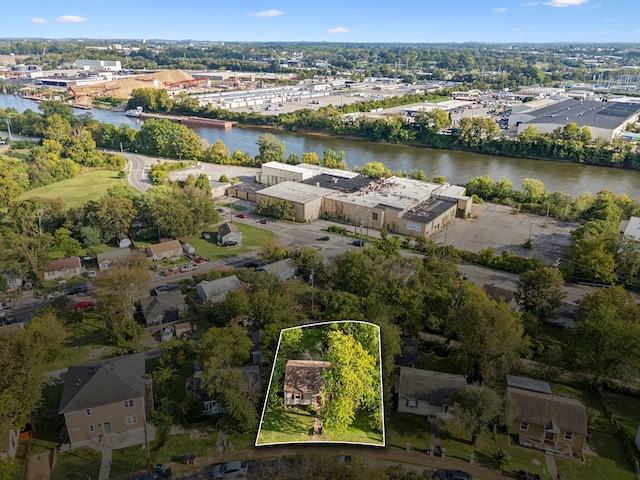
(528, 384)
(435, 387)
(63, 264)
(567, 414)
(103, 383)
(304, 375)
(161, 304)
(221, 285)
(227, 228)
(281, 266)
(116, 255)
(165, 247)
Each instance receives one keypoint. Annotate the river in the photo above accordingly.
(457, 167)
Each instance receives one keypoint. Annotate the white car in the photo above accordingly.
(230, 470)
(188, 267)
(167, 334)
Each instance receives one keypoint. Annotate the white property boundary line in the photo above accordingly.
(264, 407)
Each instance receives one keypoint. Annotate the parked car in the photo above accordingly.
(77, 289)
(167, 334)
(170, 271)
(263, 221)
(166, 288)
(85, 304)
(188, 267)
(452, 475)
(358, 243)
(206, 236)
(326, 238)
(198, 259)
(229, 243)
(241, 215)
(230, 470)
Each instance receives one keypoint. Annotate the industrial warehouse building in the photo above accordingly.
(606, 120)
(400, 205)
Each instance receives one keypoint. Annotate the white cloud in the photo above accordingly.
(266, 13)
(71, 19)
(38, 20)
(530, 4)
(565, 3)
(499, 10)
(333, 31)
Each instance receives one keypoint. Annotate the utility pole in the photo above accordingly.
(313, 303)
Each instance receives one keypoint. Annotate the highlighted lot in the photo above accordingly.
(326, 386)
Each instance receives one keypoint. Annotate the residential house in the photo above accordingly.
(165, 250)
(163, 307)
(428, 393)
(196, 387)
(229, 233)
(107, 401)
(553, 423)
(13, 282)
(216, 290)
(63, 268)
(282, 269)
(113, 258)
(303, 382)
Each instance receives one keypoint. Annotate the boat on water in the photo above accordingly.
(134, 112)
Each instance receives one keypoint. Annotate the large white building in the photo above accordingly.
(605, 120)
(99, 65)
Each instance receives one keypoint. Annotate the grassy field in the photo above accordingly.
(253, 238)
(77, 190)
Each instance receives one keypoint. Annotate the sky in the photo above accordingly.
(354, 21)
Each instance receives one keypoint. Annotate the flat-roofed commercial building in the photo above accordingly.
(306, 199)
(604, 120)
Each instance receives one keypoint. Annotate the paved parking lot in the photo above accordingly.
(499, 227)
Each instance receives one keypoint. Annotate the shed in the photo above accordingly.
(123, 241)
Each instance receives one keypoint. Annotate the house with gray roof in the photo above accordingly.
(163, 307)
(107, 401)
(282, 269)
(112, 258)
(216, 290)
(428, 393)
(229, 234)
(556, 424)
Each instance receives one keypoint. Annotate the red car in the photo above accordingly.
(170, 271)
(241, 215)
(198, 259)
(85, 304)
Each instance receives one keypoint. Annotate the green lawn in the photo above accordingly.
(403, 428)
(253, 238)
(280, 425)
(77, 190)
(77, 463)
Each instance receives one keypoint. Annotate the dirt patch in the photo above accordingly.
(122, 88)
(500, 227)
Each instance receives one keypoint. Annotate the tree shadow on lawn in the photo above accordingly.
(291, 422)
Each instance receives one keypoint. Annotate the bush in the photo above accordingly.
(337, 229)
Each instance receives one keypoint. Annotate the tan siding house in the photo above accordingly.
(105, 400)
(553, 423)
(160, 251)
